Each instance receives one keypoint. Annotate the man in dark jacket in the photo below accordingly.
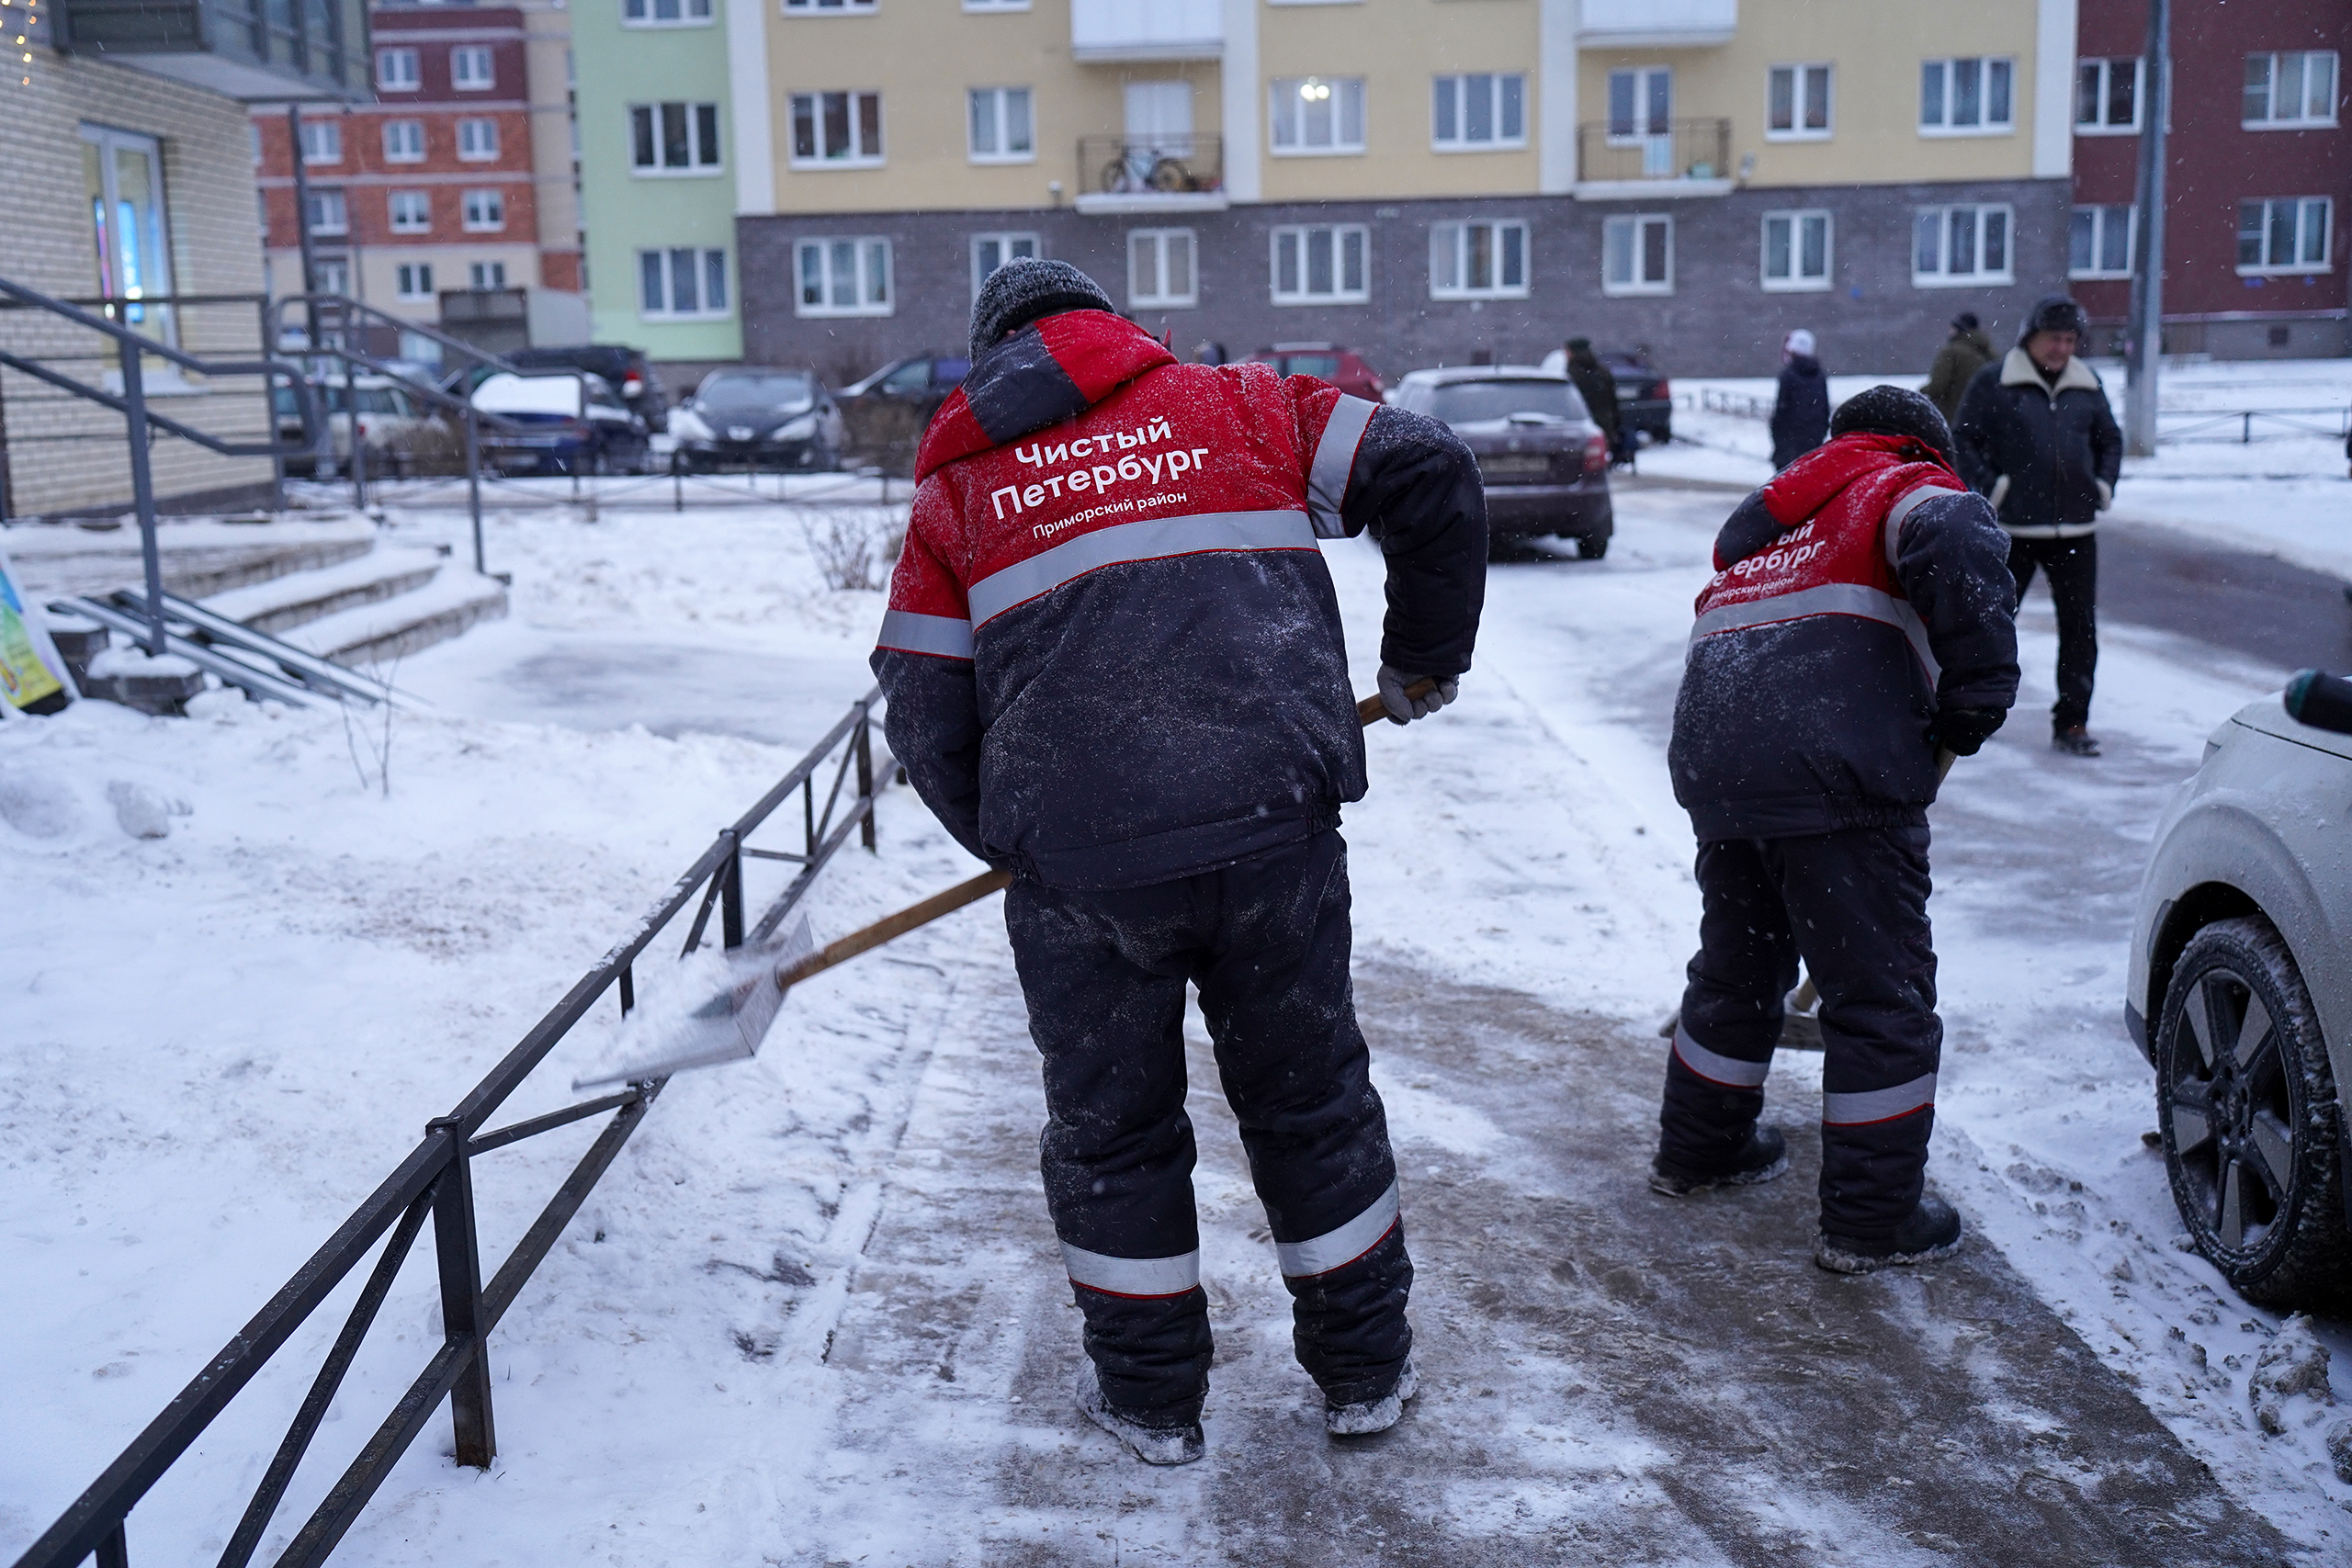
(1597, 388)
(1859, 624)
(1801, 408)
(1116, 670)
(2037, 436)
(1966, 352)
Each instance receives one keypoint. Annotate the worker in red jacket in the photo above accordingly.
(1116, 669)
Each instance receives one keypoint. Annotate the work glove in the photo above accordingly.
(1403, 709)
(1962, 730)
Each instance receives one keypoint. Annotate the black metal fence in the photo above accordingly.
(435, 1183)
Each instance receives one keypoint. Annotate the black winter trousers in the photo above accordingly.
(1266, 941)
(2073, 569)
(1854, 904)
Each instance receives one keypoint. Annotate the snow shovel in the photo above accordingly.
(732, 1024)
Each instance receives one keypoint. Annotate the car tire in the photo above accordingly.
(2247, 1109)
(1591, 546)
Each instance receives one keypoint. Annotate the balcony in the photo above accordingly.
(1108, 31)
(255, 51)
(1163, 174)
(1657, 24)
(1689, 157)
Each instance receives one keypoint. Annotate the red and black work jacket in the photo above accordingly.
(1112, 652)
(1861, 589)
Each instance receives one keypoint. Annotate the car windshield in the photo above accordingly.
(1468, 402)
(784, 392)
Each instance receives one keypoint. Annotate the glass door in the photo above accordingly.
(122, 174)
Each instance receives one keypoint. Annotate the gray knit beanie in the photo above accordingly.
(1026, 289)
(1886, 410)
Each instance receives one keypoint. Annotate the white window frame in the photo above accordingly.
(147, 270)
(1450, 110)
(1008, 243)
(1801, 74)
(1301, 236)
(394, 201)
(1634, 225)
(699, 118)
(705, 260)
(1450, 248)
(321, 139)
(2101, 73)
(400, 131)
(1983, 277)
(486, 274)
(2300, 267)
(863, 250)
(324, 199)
(986, 5)
(859, 157)
(2102, 215)
(413, 281)
(1797, 281)
(828, 9)
(1644, 128)
(461, 79)
(398, 71)
(647, 13)
(335, 275)
(491, 202)
(999, 113)
(471, 128)
(2302, 120)
(1987, 67)
(1162, 298)
(1286, 122)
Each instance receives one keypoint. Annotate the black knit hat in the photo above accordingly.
(1026, 289)
(1966, 321)
(1885, 410)
(2054, 313)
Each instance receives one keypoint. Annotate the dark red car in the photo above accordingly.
(1344, 368)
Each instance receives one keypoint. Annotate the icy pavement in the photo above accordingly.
(814, 1316)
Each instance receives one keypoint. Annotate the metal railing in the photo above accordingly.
(1682, 149)
(1182, 164)
(435, 1183)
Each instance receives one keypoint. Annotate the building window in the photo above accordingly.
(2107, 96)
(665, 13)
(414, 280)
(1952, 246)
(403, 142)
(485, 211)
(396, 69)
(1641, 104)
(2284, 234)
(1969, 97)
(470, 68)
(836, 130)
(1479, 260)
(328, 215)
(1322, 264)
(1796, 251)
(991, 252)
(823, 7)
(2290, 89)
(486, 274)
(476, 140)
(411, 211)
(1637, 254)
(674, 138)
(1479, 111)
(2098, 244)
(1318, 114)
(1000, 129)
(122, 179)
(682, 282)
(996, 4)
(843, 278)
(1798, 104)
(323, 142)
(1160, 273)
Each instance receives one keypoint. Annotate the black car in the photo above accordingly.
(758, 416)
(887, 412)
(1544, 461)
(1645, 398)
(625, 370)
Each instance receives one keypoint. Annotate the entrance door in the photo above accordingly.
(122, 174)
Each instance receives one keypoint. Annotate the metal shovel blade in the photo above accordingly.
(730, 1025)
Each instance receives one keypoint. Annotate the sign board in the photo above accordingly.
(33, 677)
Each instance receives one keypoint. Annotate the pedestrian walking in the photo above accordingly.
(1114, 669)
(1859, 624)
(1965, 352)
(1597, 388)
(2036, 435)
(1801, 406)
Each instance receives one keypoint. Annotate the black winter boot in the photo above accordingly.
(2074, 742)
(1765, 1155)
(1153, 1445)
(1931, 1231)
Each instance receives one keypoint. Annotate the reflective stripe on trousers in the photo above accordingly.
(1338, 1248)
(1728, 1071)
(1133, 1276)
(1878, 1104)
(1151, 540)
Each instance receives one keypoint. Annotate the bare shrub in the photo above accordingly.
(854, 547)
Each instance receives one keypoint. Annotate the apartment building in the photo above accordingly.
(441, 184)
(2259, 170)
(1429, 181)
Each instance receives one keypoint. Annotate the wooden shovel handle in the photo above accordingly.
(1371, 710)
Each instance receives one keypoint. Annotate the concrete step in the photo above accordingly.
(201, 556)
(376, 634)
(282, 603)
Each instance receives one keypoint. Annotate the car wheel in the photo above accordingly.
(1591, 546)
(2246, 1104)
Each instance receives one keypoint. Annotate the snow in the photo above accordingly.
(803, 1318)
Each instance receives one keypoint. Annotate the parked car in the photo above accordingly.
(1544, 463)
(887, 411)
(625, 370)
(390, 421)
(1644, 397)
(1344, 367)
(576, 424)
(2240, 994)
(759, 417)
